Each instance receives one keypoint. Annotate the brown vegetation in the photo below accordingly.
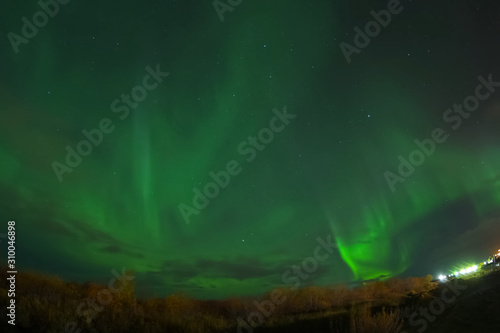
(47, 304)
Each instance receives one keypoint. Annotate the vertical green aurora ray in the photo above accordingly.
(142, 173)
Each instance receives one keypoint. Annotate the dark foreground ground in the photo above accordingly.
(470, 305)
(473, 306)
(476, 310)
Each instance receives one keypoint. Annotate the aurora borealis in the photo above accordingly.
(321, 174)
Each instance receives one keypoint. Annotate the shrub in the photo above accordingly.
(363, 321)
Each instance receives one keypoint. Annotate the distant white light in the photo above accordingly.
(442, 277)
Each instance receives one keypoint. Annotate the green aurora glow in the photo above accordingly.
(323, 174)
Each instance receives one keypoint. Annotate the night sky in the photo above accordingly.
(313, 141)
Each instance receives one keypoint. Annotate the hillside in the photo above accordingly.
(476, 310)
(467, 305)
